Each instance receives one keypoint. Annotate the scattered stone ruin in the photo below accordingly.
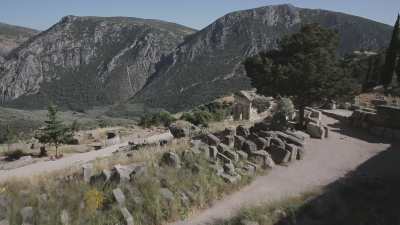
(250, 106)
(383, 122)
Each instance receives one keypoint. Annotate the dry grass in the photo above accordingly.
(49, 196)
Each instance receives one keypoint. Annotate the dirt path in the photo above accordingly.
(44, 167)
(326, 161)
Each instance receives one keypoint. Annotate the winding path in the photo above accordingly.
(326, 161)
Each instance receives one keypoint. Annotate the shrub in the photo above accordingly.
(198, 117)
(279, 121)
(14, 155)
(94, 200)
(285, 105)
(163, 118)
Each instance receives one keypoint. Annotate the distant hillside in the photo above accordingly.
(12, 36)
(208, 64)
(82, 62)
(142, 65)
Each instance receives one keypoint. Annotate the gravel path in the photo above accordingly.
(326, 161)
(44, 167)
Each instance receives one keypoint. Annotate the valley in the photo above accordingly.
(273, 115)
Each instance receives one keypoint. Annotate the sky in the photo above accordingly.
(41, 14)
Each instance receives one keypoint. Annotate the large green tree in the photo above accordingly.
(304, 68)
(54, 132)
(392, 55)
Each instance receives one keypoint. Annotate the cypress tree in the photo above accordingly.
(391, 55)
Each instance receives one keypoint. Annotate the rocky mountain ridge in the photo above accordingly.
(209, 63)
(12, 36)
(88, 61)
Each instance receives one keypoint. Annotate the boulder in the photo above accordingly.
(315, 130)
(262, 143)
(213, 151)
(138, 171)
(223, 147)
(249, 146)
(275, 141)
(64, 218)
(87, 171)
(230, 179)
(212, 140)
(171, 159)
(258, 156)
(121, 173)
(231, 155)
(4, 222)
(300, 153)
(250, 168)
(266, 134)
(268, 162)
(167, 194)
(293, 151)
(119, 196)
(261, 126)
(127, 216)
(27, 215)
(242, 155)
(102, 177)
(294, 140)
(242, 131)
(229, 168)
(326, 131)
(230, 131)
(223, 158)
(229, 141)
(181, 129)
(279, 155)
(239, 141)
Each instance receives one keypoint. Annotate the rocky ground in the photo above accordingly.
(326, 161)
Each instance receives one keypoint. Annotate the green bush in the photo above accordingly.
(163, 118)
(14, 155)
(198, 117)
(285, 106)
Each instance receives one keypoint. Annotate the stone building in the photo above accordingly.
(250, 106)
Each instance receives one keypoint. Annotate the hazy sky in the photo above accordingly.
(41, 14)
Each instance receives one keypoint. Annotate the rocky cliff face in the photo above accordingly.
(12, 36)
(86, 61)
(208, 64)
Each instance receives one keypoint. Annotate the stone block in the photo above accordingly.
(231, 155)
(119, 196)
(212, 140)
(242, 131)
(249, 146)
(239, 141)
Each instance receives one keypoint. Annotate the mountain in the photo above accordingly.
(82, 62)
(12, 36)
(208, 63)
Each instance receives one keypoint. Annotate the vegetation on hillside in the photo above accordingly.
(392, 62)
(304, 68)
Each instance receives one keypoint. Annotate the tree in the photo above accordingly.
(10, 136)
(54, 132)
(304, 68)
(392, 54)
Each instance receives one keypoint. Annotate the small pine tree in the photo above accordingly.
(10, 136)
(392, 54)
(54, 132)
